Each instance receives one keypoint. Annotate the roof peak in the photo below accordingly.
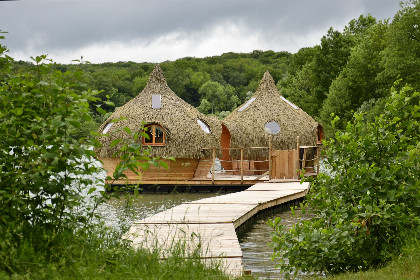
(267, 83)
(157, 76)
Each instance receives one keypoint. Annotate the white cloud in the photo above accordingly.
(225, 37)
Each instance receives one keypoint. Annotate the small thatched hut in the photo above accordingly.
(267, 112)
(175, 129)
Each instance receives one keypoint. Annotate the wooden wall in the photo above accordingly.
(203, 168)
(284, 164)
(181, 169)
(225, 143)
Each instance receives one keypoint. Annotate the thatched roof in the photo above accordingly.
(246, 123)
(184, 137)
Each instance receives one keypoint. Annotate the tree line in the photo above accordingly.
(349, 71)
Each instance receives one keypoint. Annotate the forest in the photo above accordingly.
(350, 70)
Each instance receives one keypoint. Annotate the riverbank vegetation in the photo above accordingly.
(50, 187)
(367, 207)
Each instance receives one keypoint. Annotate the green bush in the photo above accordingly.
(46, 173)
(43, 168)
(366, 207)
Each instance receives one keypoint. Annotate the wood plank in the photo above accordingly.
(200, 213)
(209, 224)
(212, 240)
(247, 197)
(267, 186)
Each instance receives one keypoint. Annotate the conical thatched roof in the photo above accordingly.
(246, 123)
(184, 137)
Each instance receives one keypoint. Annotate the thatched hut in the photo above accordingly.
(267, 112)
(175, 129)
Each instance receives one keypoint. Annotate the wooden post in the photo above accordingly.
(214, 166)
(269, 158)
(242, 166)
(298, 159)
(318, 154)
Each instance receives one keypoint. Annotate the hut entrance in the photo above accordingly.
(320, 134)
(225, 144)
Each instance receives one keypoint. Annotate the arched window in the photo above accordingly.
(156, 135)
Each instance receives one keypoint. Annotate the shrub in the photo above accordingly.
(368, 204)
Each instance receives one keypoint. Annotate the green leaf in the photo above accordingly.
(91, 190)
(100, 110)
(115, 142)
(18, 111)
(163, 164)
(127, 129)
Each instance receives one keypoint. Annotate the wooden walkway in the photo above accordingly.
(209, 224)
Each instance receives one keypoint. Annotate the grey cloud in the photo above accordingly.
(66, 25)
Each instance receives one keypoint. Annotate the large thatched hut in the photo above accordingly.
(267, 112)
(175, 129)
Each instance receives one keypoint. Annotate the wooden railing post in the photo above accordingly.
(269, 158)
(214, 166)
(298, 159)
(318, 154)
(242, 166)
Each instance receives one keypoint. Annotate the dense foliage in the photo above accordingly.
(47, 225)
(369, 203)
(364, 209)
(348, 71)
(42, 167)
(218, 83)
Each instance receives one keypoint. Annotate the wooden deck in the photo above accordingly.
(209, 224)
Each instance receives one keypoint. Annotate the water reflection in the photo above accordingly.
(120, 213)
(254, 239)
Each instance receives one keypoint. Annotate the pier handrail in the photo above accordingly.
(241, 160)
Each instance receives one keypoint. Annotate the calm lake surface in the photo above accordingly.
(253, 237)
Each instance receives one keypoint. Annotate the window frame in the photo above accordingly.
(153, 138)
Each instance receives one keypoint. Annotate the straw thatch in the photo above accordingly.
(184, 138)
(247, 126)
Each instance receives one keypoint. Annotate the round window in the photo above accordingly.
(272, 127)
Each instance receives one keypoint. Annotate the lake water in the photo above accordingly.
(253, 237)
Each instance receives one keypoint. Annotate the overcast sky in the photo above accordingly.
(159, 30)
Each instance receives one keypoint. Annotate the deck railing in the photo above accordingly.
(239, 161)
(304, 158)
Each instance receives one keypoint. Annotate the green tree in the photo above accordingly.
(42, 165)
(357, 83)
(205, 106)
(215, 94)
(368, 204)
(401, 57)
(139, 83)
(312, 70)
(232, 100)
(300, 89)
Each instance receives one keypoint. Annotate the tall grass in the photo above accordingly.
(97, 255)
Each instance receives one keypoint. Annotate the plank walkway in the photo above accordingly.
(209, 224)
